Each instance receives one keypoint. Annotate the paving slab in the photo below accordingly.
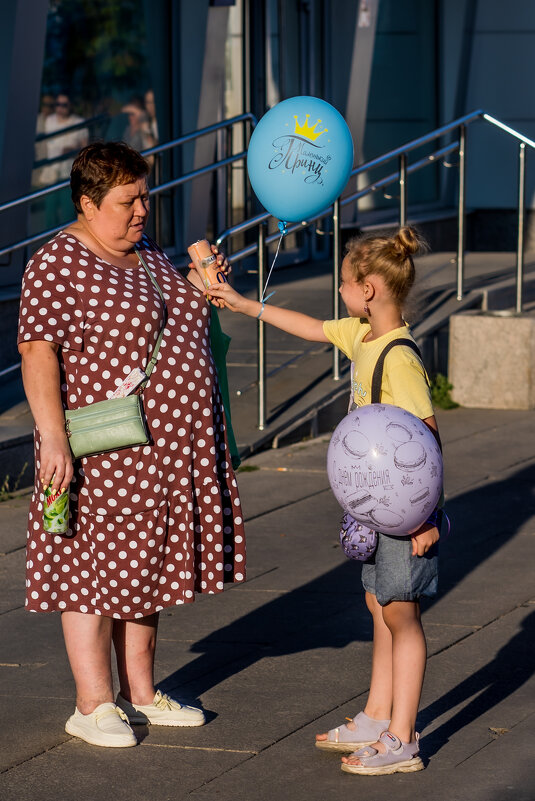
(287, 654)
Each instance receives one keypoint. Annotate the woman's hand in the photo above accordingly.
(222, 261)
(55, 461)
(222, 264)
(424, 539)
(41, 377)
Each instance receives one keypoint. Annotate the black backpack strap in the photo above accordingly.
(377, 378)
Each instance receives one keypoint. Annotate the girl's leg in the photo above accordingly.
(379, 705)
(88, 643)
(135, 645)
(409, 654)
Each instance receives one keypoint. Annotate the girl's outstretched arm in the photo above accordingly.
(300, 325)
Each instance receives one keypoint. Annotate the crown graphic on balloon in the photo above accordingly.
(308, 130)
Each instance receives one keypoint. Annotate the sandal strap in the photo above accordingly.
(361, 732)
(390, 741)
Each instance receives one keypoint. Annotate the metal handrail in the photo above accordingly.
(400, 175)
(154, 191)
(150, 152)
(224, 124)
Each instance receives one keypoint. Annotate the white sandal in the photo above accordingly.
(344, 739)
(398, 758)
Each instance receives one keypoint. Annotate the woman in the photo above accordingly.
(149, 525)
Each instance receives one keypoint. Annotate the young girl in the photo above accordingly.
(377, 274)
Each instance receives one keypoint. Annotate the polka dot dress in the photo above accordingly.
(150, 525)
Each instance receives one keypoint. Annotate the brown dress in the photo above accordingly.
(150, 525)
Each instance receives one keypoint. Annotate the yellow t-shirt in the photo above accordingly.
(405, 382)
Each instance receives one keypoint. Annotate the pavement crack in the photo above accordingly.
(286, 505)
(198, 748)
(34, 756)
(477, 629)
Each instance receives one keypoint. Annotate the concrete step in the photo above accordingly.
(303, 400)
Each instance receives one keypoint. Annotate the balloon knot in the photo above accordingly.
(283, 228)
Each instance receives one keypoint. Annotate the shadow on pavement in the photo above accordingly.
(512, 666)
(329, 611)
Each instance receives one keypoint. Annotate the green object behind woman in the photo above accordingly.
(219, 342)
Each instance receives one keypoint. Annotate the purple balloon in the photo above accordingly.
(385, 468)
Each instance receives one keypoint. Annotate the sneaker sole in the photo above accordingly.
(146, 721)
(347, 748)
(408, 766)
(75, 732)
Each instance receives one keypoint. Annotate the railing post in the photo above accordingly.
(403, 190)
(461, 212)
(521, 216)
(337, 251)
(261, 336)
(158, 203)
(245, 186)
(229, 201)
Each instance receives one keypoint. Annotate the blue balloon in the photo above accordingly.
(300, 157)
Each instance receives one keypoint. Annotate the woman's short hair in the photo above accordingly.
(100, 166)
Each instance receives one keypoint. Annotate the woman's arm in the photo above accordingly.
(300, 325)
(40, 374)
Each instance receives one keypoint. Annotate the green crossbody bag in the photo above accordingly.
(115, 423)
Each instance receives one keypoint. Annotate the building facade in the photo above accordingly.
(395, 69)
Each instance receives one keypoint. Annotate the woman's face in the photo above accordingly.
(351, 291)
(120, 221)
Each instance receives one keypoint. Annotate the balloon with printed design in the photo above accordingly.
(385, 468)
(299, 158)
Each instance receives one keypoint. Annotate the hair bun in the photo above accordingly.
(408, 241)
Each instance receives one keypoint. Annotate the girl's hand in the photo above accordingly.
(228, 297)
(424, 539)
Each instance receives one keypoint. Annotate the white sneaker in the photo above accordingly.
(106, 725)
(164, 711)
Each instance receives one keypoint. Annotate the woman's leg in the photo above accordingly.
(88, 643)
(135, 645)
(379, 705)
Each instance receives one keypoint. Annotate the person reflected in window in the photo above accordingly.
(46, 109)
(152, 120)
(63, 145)
(137, 133)
(59, 207)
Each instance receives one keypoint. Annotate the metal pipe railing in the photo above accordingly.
(260, 328)
(401, 175)
(461, 211)
(521, 217)
(337, 258)
(403, 190)
(156, 190)
(153, 151)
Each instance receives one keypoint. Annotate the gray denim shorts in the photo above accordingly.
(395, 575)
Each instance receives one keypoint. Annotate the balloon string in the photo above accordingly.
(263, 298)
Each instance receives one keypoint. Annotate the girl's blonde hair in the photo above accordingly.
(390, 257)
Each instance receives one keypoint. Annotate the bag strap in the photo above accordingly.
(377, 378)
(150, 366)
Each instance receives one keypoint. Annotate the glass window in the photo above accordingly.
(96, 84)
